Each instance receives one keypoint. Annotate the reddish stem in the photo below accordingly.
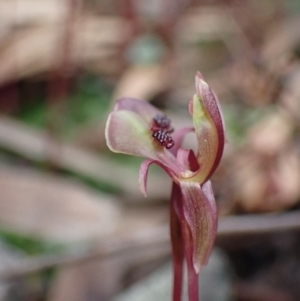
(193, 284)
(181, 245)
(177, 242)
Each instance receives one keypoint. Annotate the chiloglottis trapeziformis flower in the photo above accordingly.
(137, 128)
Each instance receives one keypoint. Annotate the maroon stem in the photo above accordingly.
(193, 284)
(177, 242)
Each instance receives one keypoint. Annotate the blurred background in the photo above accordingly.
(73, 223)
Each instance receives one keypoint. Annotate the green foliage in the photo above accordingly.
(238, 119)
(86, 106)
(94, 183)
(27, 244)
(83, 107)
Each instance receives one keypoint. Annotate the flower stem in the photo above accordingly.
(177, 242)
(193, 287)
(193, 284)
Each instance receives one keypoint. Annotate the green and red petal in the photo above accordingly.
(209, 128)
(128, 133)
(212, 106)
(200, 213)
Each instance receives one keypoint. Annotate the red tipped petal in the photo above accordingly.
(199, 75)
(200, 212)
(212, 106)
(209, 128)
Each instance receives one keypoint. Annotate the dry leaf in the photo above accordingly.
(40, 49)
(52, 208)
(271, 134)
(143, 82)
(281, 40)
(266, 183)
(32, 12)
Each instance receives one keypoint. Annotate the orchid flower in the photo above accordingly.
(137, 128)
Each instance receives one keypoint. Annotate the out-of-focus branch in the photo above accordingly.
(30, 143)
(158, 239)
(155, 243)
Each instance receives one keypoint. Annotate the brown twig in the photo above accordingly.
(229, 227)
(253, 292)
(131, 246)
(258, 224)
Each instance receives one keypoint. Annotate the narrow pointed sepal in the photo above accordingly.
(200, 213)
(143, 173)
